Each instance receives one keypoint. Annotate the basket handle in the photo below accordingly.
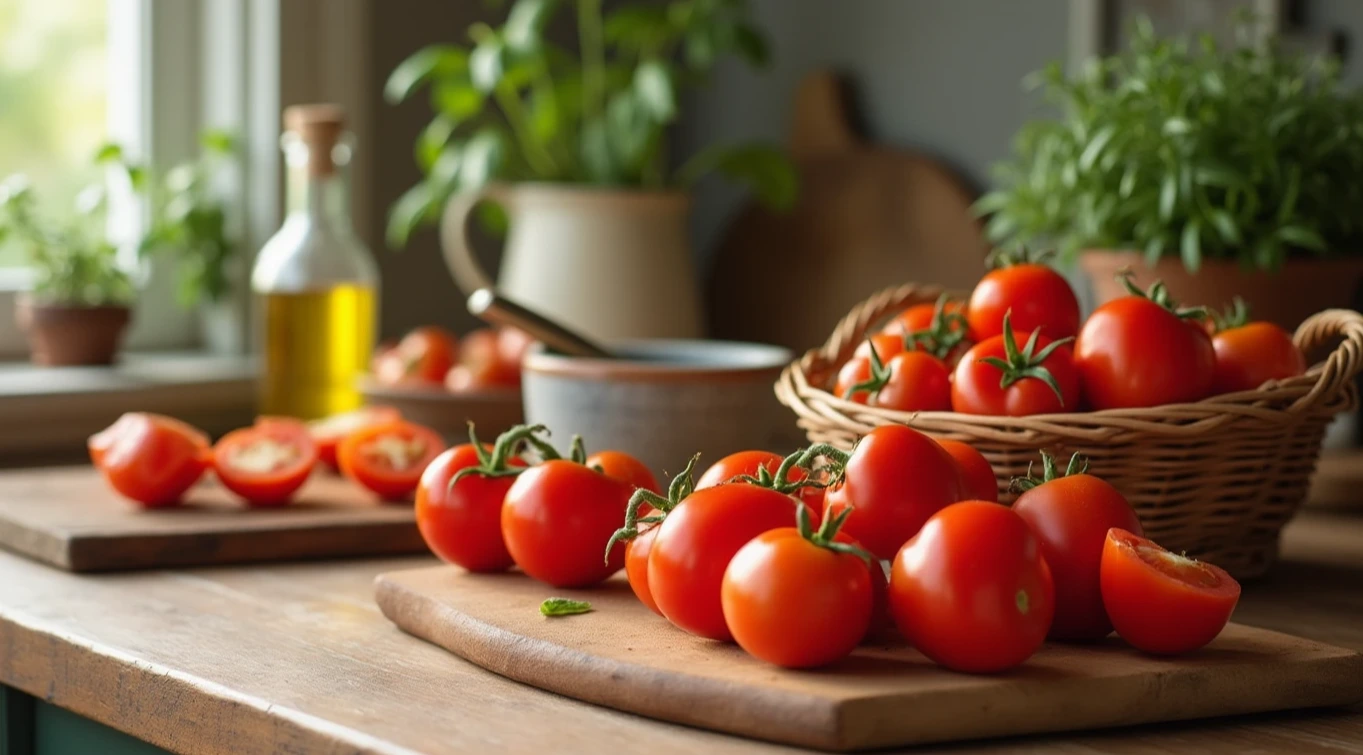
(1343, 364)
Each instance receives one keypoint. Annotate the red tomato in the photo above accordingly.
(462, 523)
(636, 565)
(1250, 355)
(919, 318)
(977, 476)
(1071, 516)
(997, 378)
(971, 590)
(557, 519)
(854, 371)
(483, 364)
(328, 432)
(939, 329)
(622, 466)
(885, 344)
(894, 479)
(150, 458)
(749, 464)
(267, 463)
(423, 356)
(1161, 602)
(912, 381)
(389, 458)
(791, 600)
(512, 345)
(695, 543)
(1137, 351)
(1038, 297)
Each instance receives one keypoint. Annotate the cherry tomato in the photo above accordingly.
(266, 463)
(622, 466)
(912, 381)
(971, 590)
(977, 476)
(1136, 351)
(885, 344)
(1250, 355)
(462, 523)
(1071, 516)
(997, 378)
(1037, 296)
(894, 479)
(422, 356)
(792, 600)
(389, 458)
(919, 317)
(328, 432)
(483, 364)
(636, 566)
(748, 463)
(1161, 602)
(150, 458)
(557, 519)
(854, 371)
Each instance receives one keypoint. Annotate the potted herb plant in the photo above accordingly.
(79, 305)
(1222, 171)
(573, 147)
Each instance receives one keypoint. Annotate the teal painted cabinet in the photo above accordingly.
(33, 727)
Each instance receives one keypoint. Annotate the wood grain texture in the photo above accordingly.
(69, 518)
(623, 656)
(296, 658)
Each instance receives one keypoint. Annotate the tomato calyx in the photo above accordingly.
(682, 485)
(1158, 293)
(804, 458)
(1027, 362)
(880, 376)
(1021, 255)
(497, 462)
(825, 536)
(1049, 471)
(1235, 316)
(945, 332)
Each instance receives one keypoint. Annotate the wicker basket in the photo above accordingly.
(1218, 478)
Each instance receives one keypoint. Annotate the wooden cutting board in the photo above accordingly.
(623, 656)
(69, 518)
(868, 217)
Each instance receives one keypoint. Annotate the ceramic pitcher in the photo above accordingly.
(609, 263)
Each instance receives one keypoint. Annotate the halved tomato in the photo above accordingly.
(388, 458)
(266, 463)
(151, 458)
(328, 432)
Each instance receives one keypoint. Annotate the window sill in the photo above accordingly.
(49, 412)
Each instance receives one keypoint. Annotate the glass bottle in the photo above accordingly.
(314, 281)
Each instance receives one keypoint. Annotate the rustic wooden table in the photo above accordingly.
(297, 659)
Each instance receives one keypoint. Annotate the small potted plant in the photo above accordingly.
(1221, 171)
(79, 305)
(573, 145)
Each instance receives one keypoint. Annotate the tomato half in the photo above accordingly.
(328, 432)
(389, 458)
(150, 458)
(977, 476)
(971, 590)
(895, 478)
(462, 523)
(998, 378)
(1037, 296)
(1250, 355)
(1071, 516)
(1162, 602)
(267, 463)
(748, 463)
(636, 566)
(622, 466)
(558, 518)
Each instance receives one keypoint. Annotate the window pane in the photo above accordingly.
(53, 87)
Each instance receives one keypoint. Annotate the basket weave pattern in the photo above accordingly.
(1217, 478)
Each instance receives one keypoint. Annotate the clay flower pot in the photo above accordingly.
(61, 335)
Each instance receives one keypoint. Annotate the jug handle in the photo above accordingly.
(460, 256)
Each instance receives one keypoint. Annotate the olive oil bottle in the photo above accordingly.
(314, 282)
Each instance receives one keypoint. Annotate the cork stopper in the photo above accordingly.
(319, 126)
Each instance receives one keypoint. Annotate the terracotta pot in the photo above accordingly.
(1301, 288)
(60, 335)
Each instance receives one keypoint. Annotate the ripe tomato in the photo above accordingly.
(1140, 351)
(1249, 354)
(266, 463)
(1037, 295)
(512, 345)
(422, 356)
(797, 598)
(919, 318)
(1071, 516)
(636, 565)
(622, 466)
(915, 381)
(939, 329)
(389, 458)
(150, 458)
(482, 364)
(752, 464)
(1161, 602)
(977, 476)
(462, 523)
(557, 520)
(884, 344)
(894, 479)
(971, 590)
(328, 432)
(997, 378)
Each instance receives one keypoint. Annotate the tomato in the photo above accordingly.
(422, 356)
(939, 329)
(912, 381)
(1250, 355)
(636, 566)
(750, 464)
(512, 345)
(1140, 350)
(854, 371)
(1161, 602)
(971, 590)
(266, 463)
(919, 318)
(1037, 296)
(482, 361)
(977, 476)
(328, 432)
(884, 344)
(558, 518)
(462, 523)
(894, 479)
(1071, 516)
(997, 378)
(150, 458)
(389, 458)
(622, 466)
(797, 598)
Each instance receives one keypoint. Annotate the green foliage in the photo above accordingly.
(1189, 150)
(512, 105)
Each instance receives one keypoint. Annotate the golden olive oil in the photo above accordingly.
(317, 345)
